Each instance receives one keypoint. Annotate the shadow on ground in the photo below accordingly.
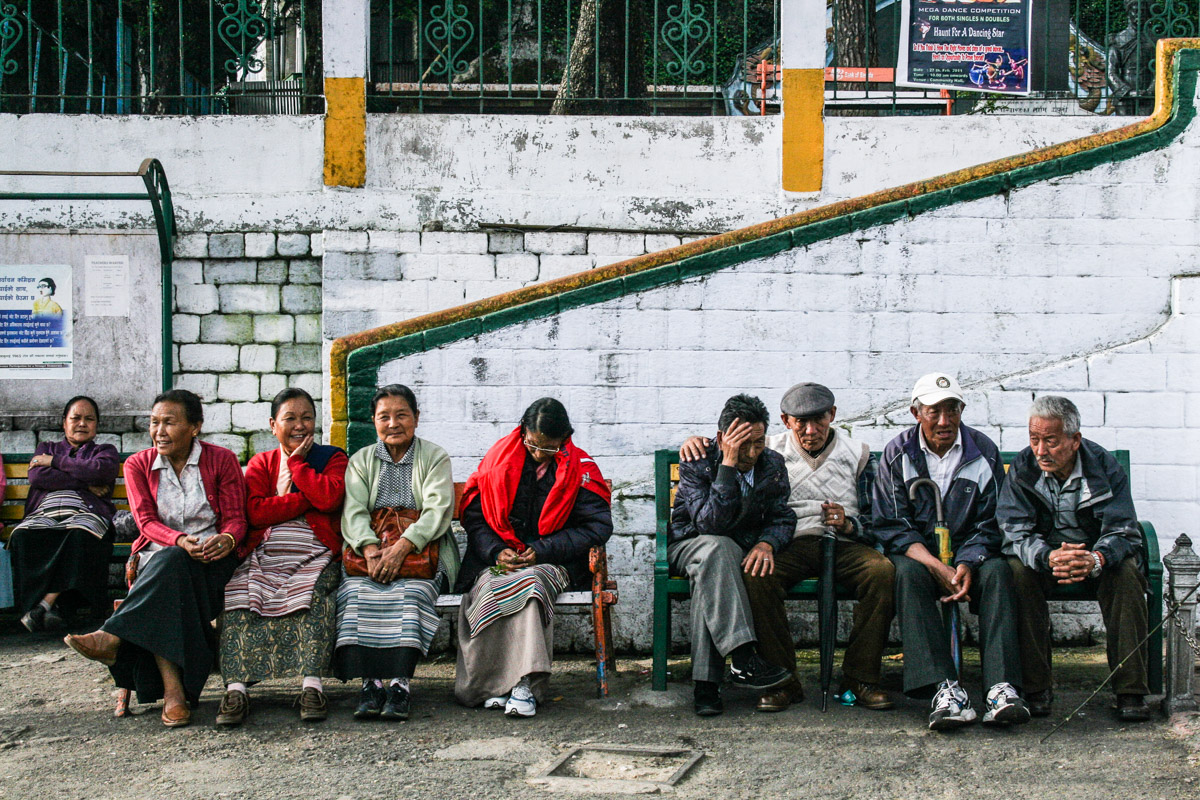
(58, 739)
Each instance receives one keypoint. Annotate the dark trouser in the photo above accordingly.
(927, 659)
(864, 570)
(1121, 591)
(721, 619)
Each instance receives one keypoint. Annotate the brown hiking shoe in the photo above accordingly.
(235, 707)
(780, 698)
(867, 695)
(313, 706)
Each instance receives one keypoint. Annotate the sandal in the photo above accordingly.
(176, 716)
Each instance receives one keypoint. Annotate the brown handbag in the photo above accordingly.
(389, 524)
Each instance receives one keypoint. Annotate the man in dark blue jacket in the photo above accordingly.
(966, 466)
(1067, 516)
(731, 514)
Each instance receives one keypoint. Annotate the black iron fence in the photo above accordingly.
(160, 56)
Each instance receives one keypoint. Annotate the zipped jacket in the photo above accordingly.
(969, 504)
(708, 501)
(1105, 513)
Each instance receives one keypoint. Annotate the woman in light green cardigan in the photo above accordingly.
(386, 624)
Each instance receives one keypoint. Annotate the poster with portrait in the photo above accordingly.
(35, 322)
(969, 45)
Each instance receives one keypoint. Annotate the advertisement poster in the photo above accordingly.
(965, 45)
(35, 322)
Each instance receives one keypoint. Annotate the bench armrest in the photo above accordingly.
(1154, 565)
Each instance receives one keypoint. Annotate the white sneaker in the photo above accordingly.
(520, 702)
(1005, 706)
(500, 701)
(951, 707)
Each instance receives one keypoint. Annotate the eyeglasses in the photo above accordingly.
(536, 449)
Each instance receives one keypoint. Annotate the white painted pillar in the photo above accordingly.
(802, 35)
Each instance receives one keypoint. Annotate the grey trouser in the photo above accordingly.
(721, 619)
(927, 660)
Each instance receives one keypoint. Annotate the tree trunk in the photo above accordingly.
(854, 27)
(314, 75)
(621, 46)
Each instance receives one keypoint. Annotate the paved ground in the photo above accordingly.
(58, 739)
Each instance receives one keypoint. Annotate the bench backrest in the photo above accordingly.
(666, 478)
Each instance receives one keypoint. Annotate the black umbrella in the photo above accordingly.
(946, 555)
(827, 613)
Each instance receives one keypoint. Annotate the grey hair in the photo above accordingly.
(917, 405)
(1051, 406)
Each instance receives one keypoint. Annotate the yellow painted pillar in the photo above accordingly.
(345, 32)
(802, 34)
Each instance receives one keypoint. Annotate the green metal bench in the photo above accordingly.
(668, 587)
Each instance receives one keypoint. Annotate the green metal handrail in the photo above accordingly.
(158, 192)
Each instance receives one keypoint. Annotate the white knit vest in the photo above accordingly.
(832, 476)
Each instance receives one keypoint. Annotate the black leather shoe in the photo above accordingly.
(396, 706)
(1132, 708)
(370, 702)
(1040, 702)
(707, 699)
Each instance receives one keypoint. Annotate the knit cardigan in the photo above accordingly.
(433, 489)
(224, 487)
(319, 498)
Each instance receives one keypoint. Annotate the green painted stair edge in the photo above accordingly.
(364, 363)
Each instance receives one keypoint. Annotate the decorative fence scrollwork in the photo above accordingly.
(242, 28)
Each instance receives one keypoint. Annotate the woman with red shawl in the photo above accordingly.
(532, 511)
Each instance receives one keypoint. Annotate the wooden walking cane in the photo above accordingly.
(946, 556)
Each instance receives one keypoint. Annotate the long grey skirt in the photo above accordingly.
(509, 648)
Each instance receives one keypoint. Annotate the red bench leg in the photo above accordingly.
(603, 595)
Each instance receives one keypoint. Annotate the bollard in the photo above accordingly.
(1184, 567)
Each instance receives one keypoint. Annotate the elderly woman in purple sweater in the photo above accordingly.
(60, 551)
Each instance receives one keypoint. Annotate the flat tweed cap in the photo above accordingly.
(806, 400)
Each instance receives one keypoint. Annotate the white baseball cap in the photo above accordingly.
(935, 387)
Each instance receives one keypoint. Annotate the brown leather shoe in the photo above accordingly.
(235, 707)
(98, 646)
(176, 716)
(313, 706)
(780, 698)
(1132, 708)
(867, 695)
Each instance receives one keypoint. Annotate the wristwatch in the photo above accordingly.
(1098, 565)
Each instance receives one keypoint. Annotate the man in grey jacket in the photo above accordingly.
(1067, 517)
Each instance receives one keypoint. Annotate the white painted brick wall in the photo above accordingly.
(643, 372)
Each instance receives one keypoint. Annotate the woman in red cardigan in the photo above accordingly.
(281, 603)
(189, 501)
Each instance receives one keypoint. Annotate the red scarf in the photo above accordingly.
(495, 483)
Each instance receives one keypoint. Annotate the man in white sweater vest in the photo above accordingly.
(830, 476)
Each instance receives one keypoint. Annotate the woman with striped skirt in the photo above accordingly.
(279, 604)
(60, 551)
(385, 623)
(532, 511)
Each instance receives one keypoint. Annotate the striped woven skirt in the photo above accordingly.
(496, 596)
(385, 616)
(279, 575)
(64, 510)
